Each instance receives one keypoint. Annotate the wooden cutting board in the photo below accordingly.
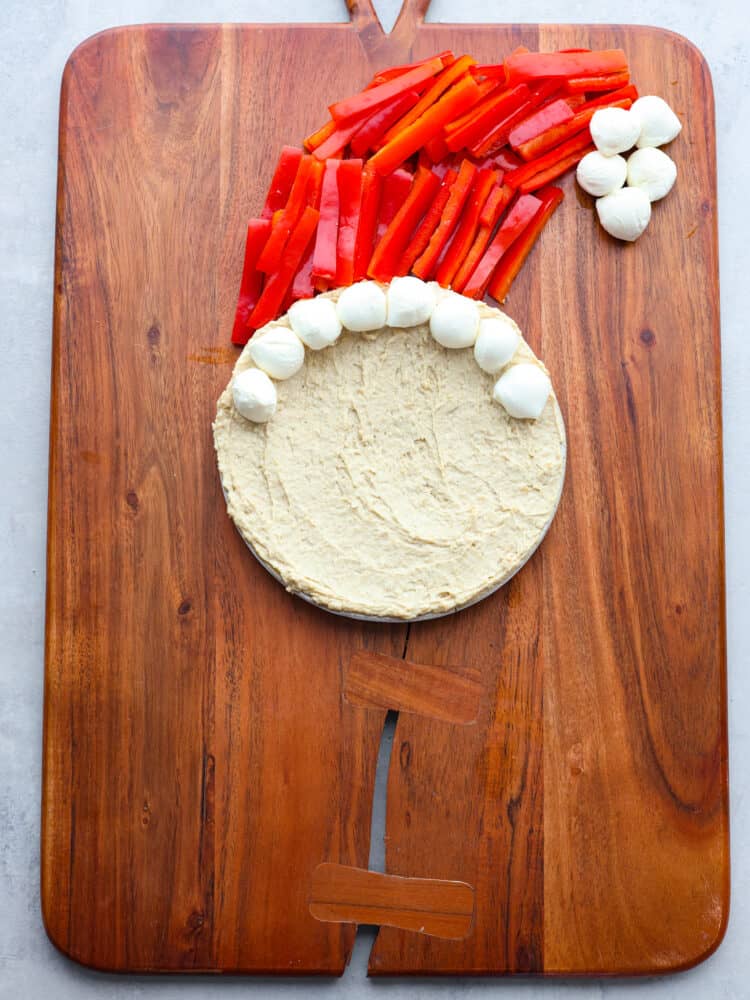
(210, 742)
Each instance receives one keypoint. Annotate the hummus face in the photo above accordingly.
(388, 483)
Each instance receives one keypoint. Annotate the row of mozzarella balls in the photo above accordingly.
(455, 322)
(624, 212)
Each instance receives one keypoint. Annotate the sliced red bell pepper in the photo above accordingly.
(496, 70)
(455, 101)
(623, 94)
(564, 65)
(436, 149)
(393, 194)
(387, 256)
(277, 284)
(559, 133)
(503, 159)
(349, 178)
(594, 84)
(391, 72)
(513, 260)
(519, 217)
(425, 265)
(320, 135)
(338, 139)
(302, 286)
(270, 258)
(488, 114)
(497, 201)
(371, 133)
(252, 279)
(515, 178)
(367, 100)
(555, 170)
(556, 113)
(428, 225)
(326, 238)
(575, 101)
(465, 234)
(442, 82)
(372, 183)
(315, 183)
(482, 239)
(282, 180)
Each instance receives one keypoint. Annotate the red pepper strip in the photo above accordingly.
(564, 65)
(302, 286)
(270, 258)
(503, 159)
(391, 72)
(494, 70)
(252, 279)
(515, 178)
(313, 141)
(442, 82)
(517, 220)
(559, 133)
(574, 50)
(338, 140)
(556, 113)
(514, 259)
(326, 238)
(371, 133)
(486, 116)
(594, 84)
(372, 183)
(495, 205)
(278, 283)
(366, 100)
(394, 193)
(436, 149)
(555, 170)
(315, 183)
(575, 101)
(467, 228)
(428, 225)
(494, 140)
(455, 101)
(349, 178)
(623, 94)
(282, 180)
(499, 198)
(387, 256)
(426, 264)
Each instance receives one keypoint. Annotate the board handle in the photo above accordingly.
(366, 22)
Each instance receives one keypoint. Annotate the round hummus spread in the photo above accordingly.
(389, 484)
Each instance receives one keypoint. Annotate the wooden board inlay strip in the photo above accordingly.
(341, 894)
(453, 694)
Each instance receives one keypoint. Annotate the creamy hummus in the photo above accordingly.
(388, 483)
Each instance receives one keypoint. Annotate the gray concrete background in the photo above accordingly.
(37, 36)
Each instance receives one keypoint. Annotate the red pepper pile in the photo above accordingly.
(440, 169)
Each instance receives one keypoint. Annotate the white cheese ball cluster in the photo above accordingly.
(455, 322)
(624, 212)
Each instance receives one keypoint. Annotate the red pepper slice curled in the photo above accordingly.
(282, 180)
(252, 279)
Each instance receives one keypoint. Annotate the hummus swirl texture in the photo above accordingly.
(389, 484)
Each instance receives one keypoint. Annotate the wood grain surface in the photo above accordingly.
(200, 757)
